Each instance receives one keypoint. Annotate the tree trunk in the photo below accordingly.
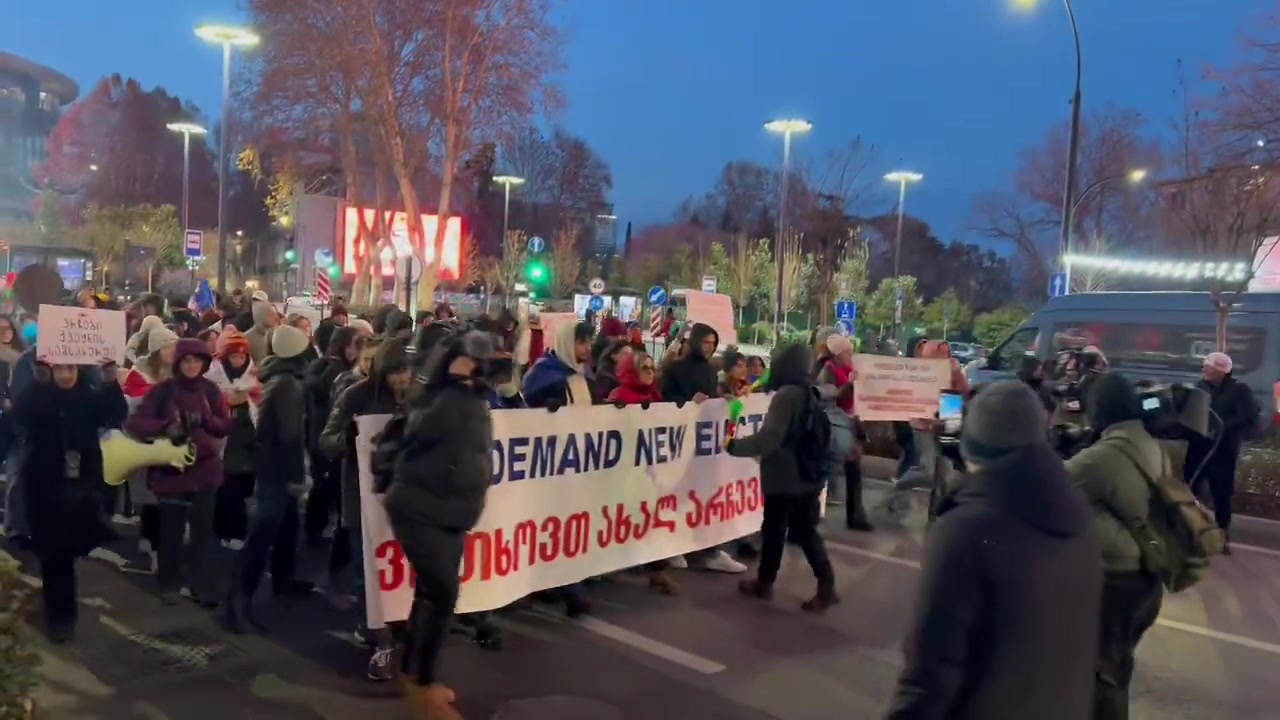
(431, 273)
(1223, 309)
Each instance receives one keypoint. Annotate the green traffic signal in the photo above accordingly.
(536, 271)
(291, 256)
(335, 272)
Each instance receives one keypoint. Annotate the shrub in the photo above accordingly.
(18, 661)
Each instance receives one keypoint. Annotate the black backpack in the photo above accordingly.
(810, 442)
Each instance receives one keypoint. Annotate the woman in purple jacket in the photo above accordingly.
(186, 407)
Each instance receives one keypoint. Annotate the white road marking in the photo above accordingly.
(1233, 639)
(653, 647)
(1255, 549)
(197, 655)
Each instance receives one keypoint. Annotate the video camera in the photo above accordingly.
(1169, 412)
(447, 339)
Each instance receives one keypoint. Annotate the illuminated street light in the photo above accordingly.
(902, 178)
(1133, 177)
(187, 129)
(228, 37)
(785, 127)
(506, 181)
(1231, 272)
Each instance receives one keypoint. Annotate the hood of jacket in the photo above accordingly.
(629, 377)
(548, 371)
(697, 334)
(564, 345)
(390, 357)
(190, 347)
(274, 366)
(791, 365)
(1032, 485)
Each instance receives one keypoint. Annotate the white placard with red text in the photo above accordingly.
(577, 493)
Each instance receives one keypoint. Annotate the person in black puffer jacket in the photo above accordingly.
(441, 476)
(691, 377)
(340, 355)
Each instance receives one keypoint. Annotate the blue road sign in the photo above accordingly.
(193, 243)
(1057, 285)
(537, 244)
(596, 303)
(847, 310)
(657, 295)
(845, 325)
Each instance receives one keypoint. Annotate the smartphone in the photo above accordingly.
(950, 406)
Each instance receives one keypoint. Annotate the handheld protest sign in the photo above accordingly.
(78, 336)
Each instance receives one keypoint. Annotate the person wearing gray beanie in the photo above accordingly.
(1008, 611)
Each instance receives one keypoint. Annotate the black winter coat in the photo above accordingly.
(319, 380)
(1233, 403)
(281, 443)
(443, 473)
(691, 374)
(776, 442)
(1007, 616)
(63, 513)
(368, 396)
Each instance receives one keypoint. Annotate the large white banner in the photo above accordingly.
(577, 493)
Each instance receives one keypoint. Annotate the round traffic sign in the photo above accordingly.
(324, 257)
(657, 295)
(845, 327)
(596, 286)
(537, 244)
(596, 303)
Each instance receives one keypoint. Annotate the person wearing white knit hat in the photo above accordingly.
(1214, 464)
(280, 467)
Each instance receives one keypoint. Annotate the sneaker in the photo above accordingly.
(721, 562)
(380, 669)
(361, 634)
(678, 563)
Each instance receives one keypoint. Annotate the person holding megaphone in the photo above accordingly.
(59, 417)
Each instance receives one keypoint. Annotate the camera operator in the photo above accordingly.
(1232, 401)
(1031, 372)
(1113, 473)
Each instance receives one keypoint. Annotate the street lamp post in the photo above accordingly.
(506, 181)
(227, 37)
(785, 127)
(187, 130)
(1133, 176)
(902, 177)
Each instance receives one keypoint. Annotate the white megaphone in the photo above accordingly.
(122, 455)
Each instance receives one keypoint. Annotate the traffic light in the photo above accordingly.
(291, 256)
(536, 271)
(335, 272)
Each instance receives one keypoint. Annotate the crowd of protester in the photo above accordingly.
(268, 402)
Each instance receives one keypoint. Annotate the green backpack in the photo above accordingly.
(1180, 535)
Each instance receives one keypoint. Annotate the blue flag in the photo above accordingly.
(202, 298)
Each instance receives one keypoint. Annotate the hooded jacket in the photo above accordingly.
(774, 443)
(281, 438)
(630, 391)
(1006, 620)
(692, 373)
(319, 380)
(558, 378)
(259, 336)
(366, 396)
(194, 406)
(442, 474)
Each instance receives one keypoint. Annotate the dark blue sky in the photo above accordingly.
(669, 90)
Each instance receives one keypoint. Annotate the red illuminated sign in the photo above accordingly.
(351, 249)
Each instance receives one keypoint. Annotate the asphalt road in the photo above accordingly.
(707, 654)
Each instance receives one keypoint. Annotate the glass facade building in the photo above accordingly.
(31, 100)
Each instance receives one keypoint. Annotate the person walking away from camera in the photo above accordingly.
(791, 490)
(1233, 403)
(690, 377)
(441, 474)
(557, 379)
(280, 468)
(381, 392)
(326, 490)
(265, 319)
(995, 632)
(233, 372)
(188, 406)
(836, 370)
(931, 466)
(60, 417)
(637, 385)
(1112, 473)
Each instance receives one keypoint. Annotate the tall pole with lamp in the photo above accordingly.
(902, 178)
(786, 128)
(227, 37)
(187, 129)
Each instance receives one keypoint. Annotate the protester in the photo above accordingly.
(1233, 403)
(733, 375)
(136, 346)
(836, 369)
(437, 493)
(1006, 619)
(233, 372)
(60, 417)
(1113, 474)
(338, 314)
(265, 320)
(606, 368)
(301, 322)
(323, 500)
(791, 497)
(280, 468)
(155, 365)
(381, 391)
(366, 347)
(186, 405)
